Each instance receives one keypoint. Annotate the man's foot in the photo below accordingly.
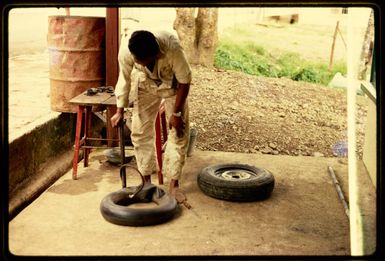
(178, 194)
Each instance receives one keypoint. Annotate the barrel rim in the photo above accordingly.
(73, 79)
(56, 48)
(77, 16)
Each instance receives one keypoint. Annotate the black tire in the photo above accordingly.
(236, 182)
(115, 207)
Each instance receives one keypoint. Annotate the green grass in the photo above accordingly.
(250, 58)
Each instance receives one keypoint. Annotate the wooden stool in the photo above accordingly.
(85, 104)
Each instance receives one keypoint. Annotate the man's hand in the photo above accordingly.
(182, 90)
(178, 124)
(117, 117)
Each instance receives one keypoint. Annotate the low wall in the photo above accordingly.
(369, 156)
(28, 152)
(38, 158)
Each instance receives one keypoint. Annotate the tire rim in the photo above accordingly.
(236, 174)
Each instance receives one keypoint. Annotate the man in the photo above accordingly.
(153, 67)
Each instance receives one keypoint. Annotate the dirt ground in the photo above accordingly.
(233, 111)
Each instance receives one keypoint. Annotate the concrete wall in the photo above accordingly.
(40, 157)
(370, 146)
(27, 153)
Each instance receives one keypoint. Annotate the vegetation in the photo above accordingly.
(250, 58)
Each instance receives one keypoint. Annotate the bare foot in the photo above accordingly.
(178, 194)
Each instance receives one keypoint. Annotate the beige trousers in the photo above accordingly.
(147, 99)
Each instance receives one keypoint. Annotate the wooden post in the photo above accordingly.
(333, 45)
(112, 66)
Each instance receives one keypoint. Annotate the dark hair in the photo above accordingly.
(143, 44)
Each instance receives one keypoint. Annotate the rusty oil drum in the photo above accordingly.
(76, 57)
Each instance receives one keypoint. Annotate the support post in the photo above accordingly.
(356, 225)
(112, 66)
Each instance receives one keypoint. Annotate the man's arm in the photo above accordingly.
(182, 71)
(180, 99)
(123, 86)
(181, 96)
(182, 76)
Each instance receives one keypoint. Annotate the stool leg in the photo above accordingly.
(164, 126)
(112, 132)
(158, 145)
(87, 133)
(77, 141)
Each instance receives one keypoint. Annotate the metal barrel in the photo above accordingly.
(76, 57)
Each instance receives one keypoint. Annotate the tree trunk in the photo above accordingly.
(198, 33)
(367, 49)
(185, 27)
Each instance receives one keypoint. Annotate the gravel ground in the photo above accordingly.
(233, 111)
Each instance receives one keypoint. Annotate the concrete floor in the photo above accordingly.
(303, 216)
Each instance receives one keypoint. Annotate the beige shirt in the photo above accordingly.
(172, 62)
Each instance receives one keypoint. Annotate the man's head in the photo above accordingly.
(143, 46)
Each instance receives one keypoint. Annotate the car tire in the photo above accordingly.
(236, 182)
(115, 206)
